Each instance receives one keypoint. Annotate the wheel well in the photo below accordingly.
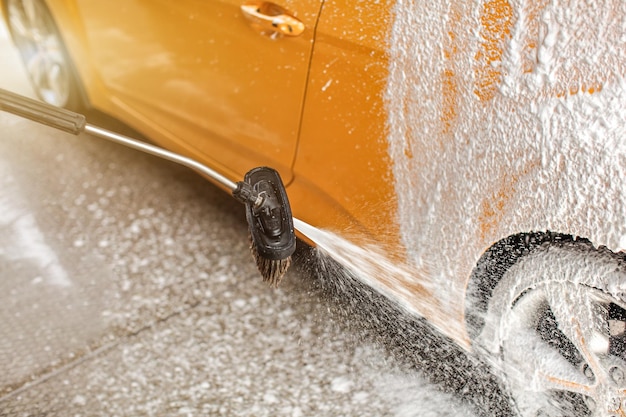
(492, 265)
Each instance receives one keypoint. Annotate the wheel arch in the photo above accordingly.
(502, 255)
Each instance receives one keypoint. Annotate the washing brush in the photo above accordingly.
(270, 222)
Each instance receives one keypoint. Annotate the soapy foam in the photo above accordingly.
(505, 117)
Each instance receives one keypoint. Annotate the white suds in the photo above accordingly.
(504, 121)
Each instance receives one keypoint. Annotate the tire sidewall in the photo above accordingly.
(569, 264)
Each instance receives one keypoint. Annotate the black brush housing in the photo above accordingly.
(268, 213)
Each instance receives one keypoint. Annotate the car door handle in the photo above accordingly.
(272, 19)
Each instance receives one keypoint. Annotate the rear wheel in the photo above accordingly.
(553, 327)
(43, 53)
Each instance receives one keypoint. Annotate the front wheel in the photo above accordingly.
(43, 53)
(554, 326)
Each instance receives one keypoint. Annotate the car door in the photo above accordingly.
(207, 77)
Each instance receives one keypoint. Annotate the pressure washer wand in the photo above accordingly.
(272, 236)
(157, 151)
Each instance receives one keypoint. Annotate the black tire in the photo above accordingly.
(553, 325)
(43, 53)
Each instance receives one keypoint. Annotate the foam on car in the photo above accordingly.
(505, 117)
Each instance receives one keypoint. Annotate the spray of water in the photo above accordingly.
(378, 299)
(409, 287)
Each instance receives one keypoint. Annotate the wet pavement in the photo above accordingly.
(127, 288)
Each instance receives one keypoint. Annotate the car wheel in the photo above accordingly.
(43, 53)
(553, 328)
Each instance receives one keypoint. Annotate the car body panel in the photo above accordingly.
(201, 77)
(505, 117)
(343, 151)
(491, 123)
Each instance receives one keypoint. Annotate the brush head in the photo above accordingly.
(272, 270)
(272, 235)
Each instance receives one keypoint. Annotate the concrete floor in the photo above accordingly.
(127, 288)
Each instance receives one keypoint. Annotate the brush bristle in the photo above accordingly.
(271, 270)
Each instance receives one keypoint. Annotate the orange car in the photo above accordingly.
(467, 158)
